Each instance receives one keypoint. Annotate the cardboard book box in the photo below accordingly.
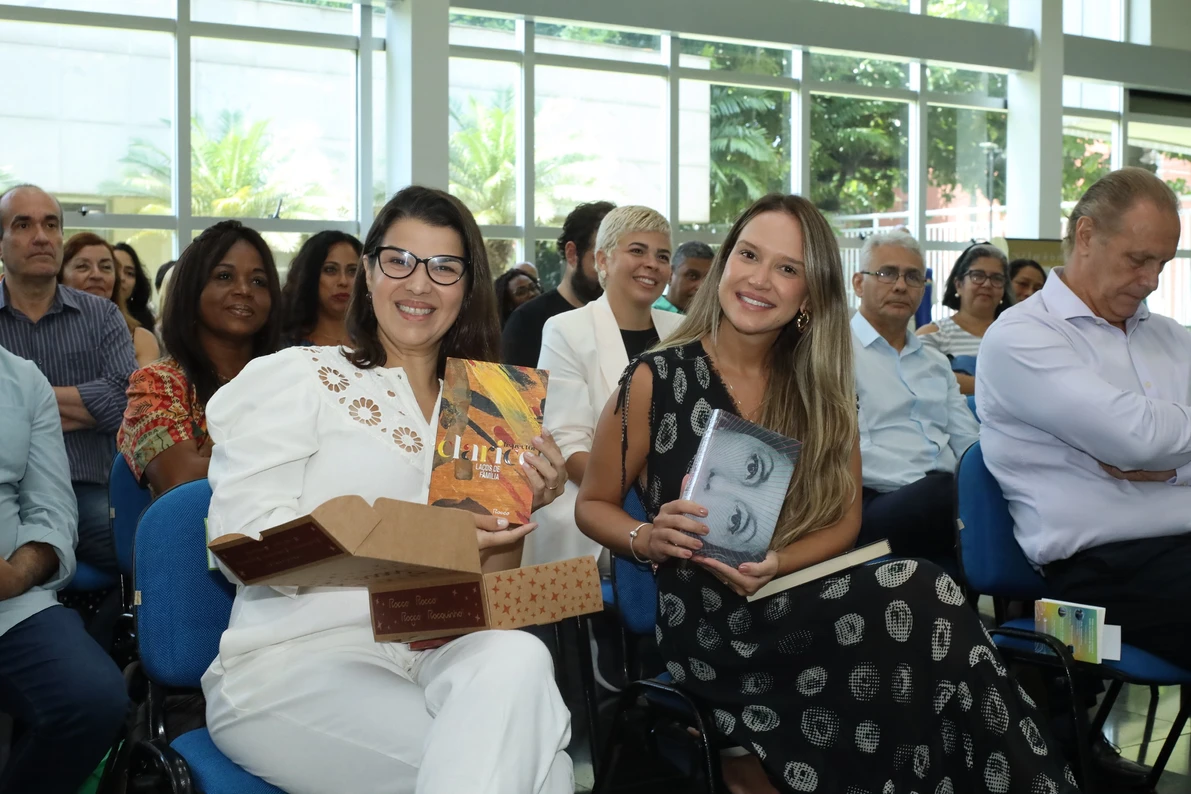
(421, 565)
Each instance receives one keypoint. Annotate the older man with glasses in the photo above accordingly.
(914, 423)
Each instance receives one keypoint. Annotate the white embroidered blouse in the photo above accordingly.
(291, 431)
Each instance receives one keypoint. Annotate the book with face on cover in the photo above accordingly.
(740, 475)
(489, 416)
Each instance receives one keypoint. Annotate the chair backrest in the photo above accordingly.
(972, 406)
(992, 561)
(633, 583)
(127, 500)
(964, 364)
(182, 607)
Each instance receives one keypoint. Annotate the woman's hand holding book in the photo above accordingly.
(546, 472)
(670, 534)
(493, 532)
(748, 578)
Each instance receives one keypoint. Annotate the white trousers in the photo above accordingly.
(338, 712)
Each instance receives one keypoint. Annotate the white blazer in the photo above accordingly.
(585, 355)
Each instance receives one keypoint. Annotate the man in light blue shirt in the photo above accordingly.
(1086, 402)
(64, 693)
(914, 423)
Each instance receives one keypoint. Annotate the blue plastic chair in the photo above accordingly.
(966, 364)
(181, 613)
(972, 406)
(655, 701)
(88, 579)
(993, 564)
(128, 500)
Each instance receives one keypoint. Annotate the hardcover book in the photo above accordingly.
(489, 417)
(740, 474)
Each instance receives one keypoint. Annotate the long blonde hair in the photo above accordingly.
(811, 394)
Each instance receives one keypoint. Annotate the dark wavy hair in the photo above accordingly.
(182, 312)
(142, 290)
(475, 334)
(299, 296)
(964, 264)
(504, 302)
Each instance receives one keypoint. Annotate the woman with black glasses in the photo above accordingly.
(976, 292)
(300, 694)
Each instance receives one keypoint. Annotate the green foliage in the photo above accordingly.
(1081, 165)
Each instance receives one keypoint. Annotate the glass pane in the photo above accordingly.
(481, 30)
(993, 11)
(860, 161)
(502, 254)
(323, 16)
(944, 80)
(549, 263)
(965, 195)
(92, 126)
(155, 247)
(483, 169)
(141, 8)
(858, 70)
(734, 147)
(939, 264)
(380, 126)
(1173, 296)
(1093, 96)
(598, 136)
(726, 56)
(1087, 156)
(888, 5)
(273, 133)
(1165, 150)
(1099, 19)
(618, 45)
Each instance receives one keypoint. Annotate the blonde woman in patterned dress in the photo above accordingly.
(880, 679)
(300, 694)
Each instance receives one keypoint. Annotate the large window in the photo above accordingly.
(965, 174)
(1165, 150)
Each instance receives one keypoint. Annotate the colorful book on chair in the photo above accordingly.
(1080, 627)
(741, 474)
(489, 417)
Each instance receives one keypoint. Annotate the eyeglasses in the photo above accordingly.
(978, 277)
(890, 275)
(397, 263)
(527, 289)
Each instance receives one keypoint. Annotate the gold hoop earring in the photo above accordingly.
(802, 320)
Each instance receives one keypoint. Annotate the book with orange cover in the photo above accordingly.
(489, 417)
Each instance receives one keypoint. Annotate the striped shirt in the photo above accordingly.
(951, 340)
(82, 341)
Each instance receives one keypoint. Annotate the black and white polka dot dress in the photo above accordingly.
(880, 680)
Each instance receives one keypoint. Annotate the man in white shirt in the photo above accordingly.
(1086, 401)
(914, 423)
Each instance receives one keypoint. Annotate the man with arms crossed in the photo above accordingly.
(1085, 398)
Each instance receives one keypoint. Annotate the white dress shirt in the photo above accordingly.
(913, 419)
(291, 431)
(1059, 390)
(585, 355)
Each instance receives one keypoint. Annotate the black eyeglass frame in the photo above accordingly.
(902, 275)
(375, 253)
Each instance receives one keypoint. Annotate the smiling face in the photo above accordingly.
(93, 270)
(414, 313)
(126, 271)
(335, 280)
(1028, 280)
(637, 268)
(686, 280)
(32, 241)
(981, 299)
(522, 289)
(235, 303)
(764, 281)
(744, 491)
(889, 304)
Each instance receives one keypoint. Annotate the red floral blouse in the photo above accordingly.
(163, 410)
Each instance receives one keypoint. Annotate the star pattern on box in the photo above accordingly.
(543, 593)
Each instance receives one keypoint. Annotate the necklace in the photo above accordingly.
(750, 415)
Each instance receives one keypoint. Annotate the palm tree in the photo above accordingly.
(483, 168)
(232, 175)
(747, 157)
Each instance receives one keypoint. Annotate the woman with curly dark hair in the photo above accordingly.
(317, 290)
(513, 288)
(223, 311)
